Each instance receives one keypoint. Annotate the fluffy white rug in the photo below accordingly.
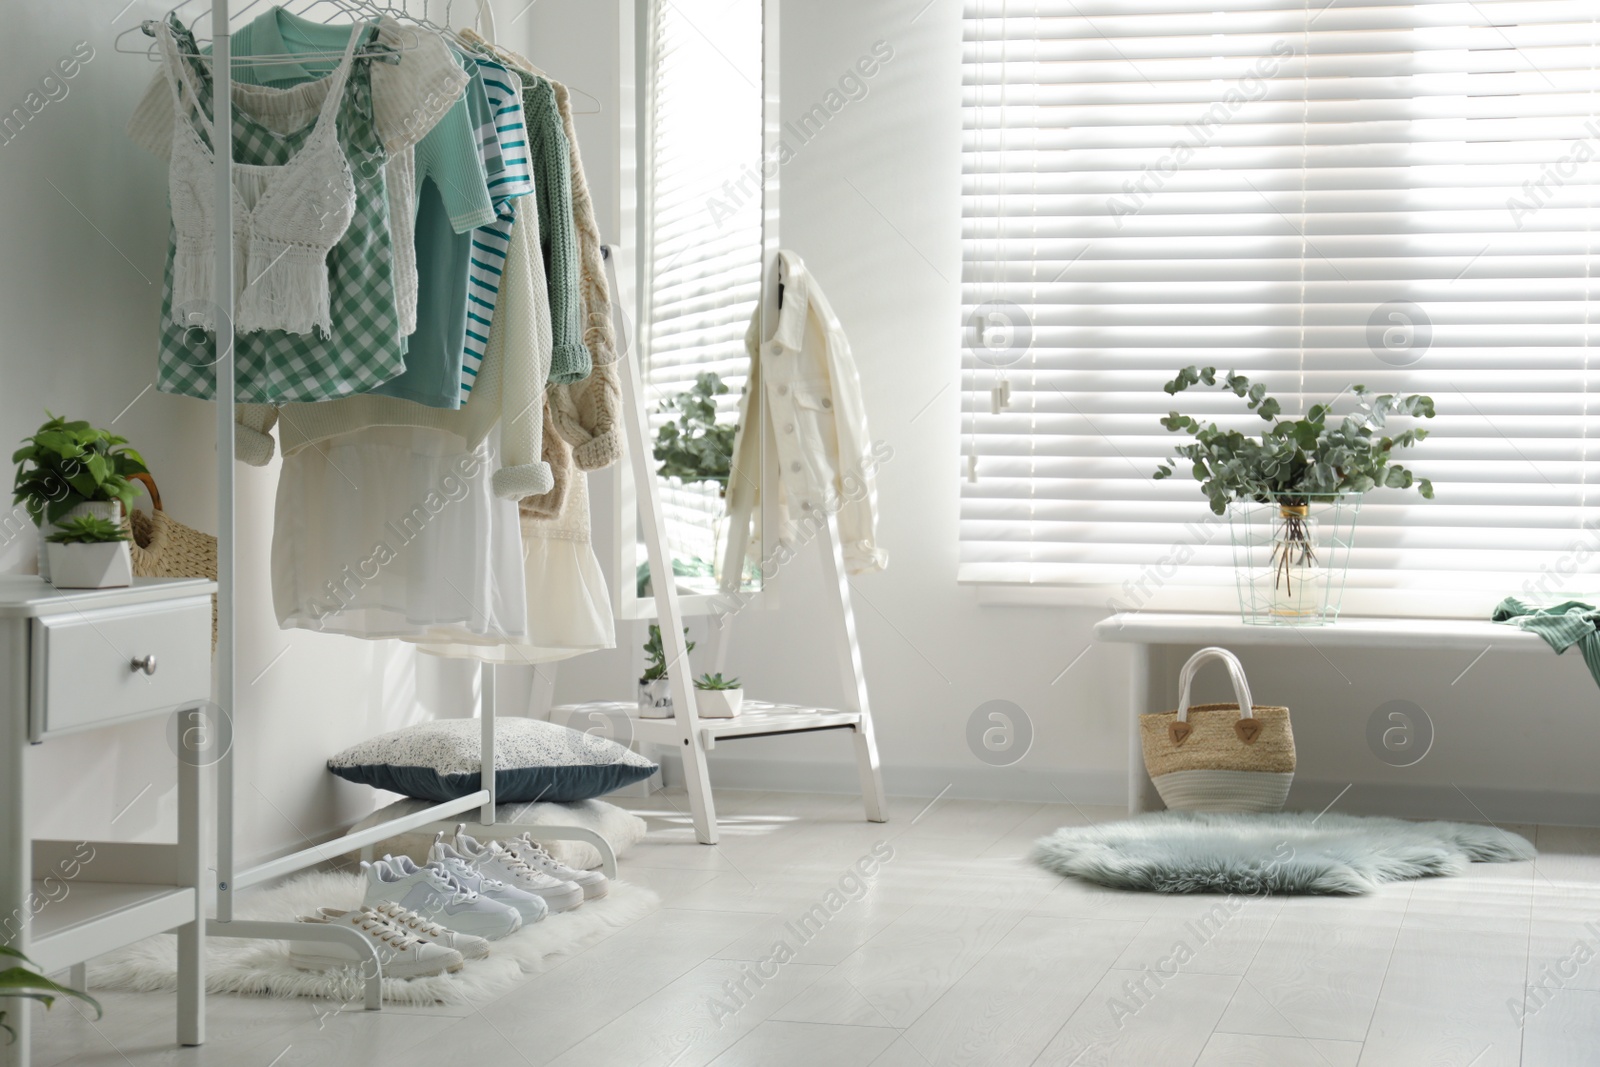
(1291, 852)
(237, 965)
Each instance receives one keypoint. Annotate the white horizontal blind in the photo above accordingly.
(705, 218)
(1151, 184)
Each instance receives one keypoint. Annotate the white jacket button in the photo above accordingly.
(827, 401)
(795, 467)
(783, 390)
(788, 427)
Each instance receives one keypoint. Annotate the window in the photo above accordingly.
(1395, 194)
(704, 234)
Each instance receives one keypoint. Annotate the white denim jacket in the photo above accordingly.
(827, 461)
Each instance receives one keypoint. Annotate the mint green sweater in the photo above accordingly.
(558, 234)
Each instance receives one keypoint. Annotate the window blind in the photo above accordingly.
(705, 225)
(1399, 194)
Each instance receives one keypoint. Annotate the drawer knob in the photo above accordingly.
(147, 664)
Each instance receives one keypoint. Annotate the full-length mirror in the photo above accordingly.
(707, 220)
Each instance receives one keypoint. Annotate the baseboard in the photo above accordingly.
(1468, 803)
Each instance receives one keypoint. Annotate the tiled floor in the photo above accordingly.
(959, 952)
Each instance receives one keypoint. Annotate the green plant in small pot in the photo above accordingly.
(88, 552)
(655, 693)
(695, 447)
(67, 469)
(717, 697)
(1292, 494)
(26, 984)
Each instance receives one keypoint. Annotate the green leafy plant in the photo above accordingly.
(695, 447)
(715, 681)
(19, 981)
(656, 655)
(87, 530)
(1295, 459)
(65, 464)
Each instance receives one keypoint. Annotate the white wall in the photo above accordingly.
(873, 205)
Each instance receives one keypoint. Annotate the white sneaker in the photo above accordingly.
(495, 858)
(442, 857)
(525, 848)
(402, 955)
(436, 896)
(420, 926)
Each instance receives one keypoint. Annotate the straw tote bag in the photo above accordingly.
(1219, 757)
(163, 547)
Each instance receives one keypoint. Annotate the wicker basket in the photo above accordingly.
(1212, 757)
(163, 547)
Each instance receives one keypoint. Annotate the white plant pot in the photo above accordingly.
(102, 566)
(655, 699)
(718, 703)
(110, 510)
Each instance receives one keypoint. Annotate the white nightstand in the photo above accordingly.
(78, 660)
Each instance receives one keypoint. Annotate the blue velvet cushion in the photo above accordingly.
(534, 760)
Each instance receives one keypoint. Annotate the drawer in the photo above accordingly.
(83, 664)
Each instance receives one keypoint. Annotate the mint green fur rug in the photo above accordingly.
(1289, 852)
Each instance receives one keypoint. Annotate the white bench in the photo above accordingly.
(1152, 635)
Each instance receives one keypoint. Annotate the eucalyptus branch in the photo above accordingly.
(1295, 459)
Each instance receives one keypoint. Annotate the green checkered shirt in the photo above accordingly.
(274, 366)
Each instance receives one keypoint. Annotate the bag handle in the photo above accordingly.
(149, 484)
(1247, 728)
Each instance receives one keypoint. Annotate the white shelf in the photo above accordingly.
(27, 596)
(98, 917)
(1154, 628)
(755, 719)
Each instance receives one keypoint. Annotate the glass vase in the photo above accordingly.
(1291, 554)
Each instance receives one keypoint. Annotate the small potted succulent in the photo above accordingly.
(88, 552)
(655, 694)
(717, 697)
(67, 469)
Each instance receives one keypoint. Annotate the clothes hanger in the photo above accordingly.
(383, 52)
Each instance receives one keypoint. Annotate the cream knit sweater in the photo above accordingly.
(509, 389)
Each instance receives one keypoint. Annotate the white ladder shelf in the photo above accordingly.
(686, 731)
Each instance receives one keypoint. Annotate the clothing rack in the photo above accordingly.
(231, 877)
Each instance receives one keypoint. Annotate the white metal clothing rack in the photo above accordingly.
(231, 877)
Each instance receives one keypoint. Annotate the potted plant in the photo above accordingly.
(18, 981)
(655, 694)
(718, 697)
(1292, 494)
(67, 469)
(88, 552)
(695, 447)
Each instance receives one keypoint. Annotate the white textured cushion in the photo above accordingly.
(534, 760)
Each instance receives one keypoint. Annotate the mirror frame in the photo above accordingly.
(635, 25)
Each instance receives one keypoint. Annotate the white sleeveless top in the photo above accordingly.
(286, 219)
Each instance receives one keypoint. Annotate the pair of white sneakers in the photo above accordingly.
(408, 944)
(426, 920)
(523, 860)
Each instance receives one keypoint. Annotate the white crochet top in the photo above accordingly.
(286, 219)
